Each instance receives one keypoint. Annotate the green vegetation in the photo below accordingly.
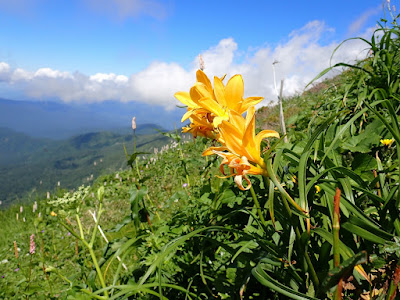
(323, 223)
(31, 167)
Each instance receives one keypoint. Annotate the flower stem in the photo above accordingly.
(336, 240)
(96, 225)
(257, 205)
(134, 151)
(96, 264)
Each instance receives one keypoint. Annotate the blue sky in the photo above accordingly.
(145, 50)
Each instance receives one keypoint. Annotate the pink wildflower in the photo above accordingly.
(33, 247)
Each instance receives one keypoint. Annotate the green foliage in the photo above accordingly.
(31, 167)
(171, 229)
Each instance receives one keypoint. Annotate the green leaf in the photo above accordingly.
(275, 285)
(363, 233)
(133, 157)
(342, 270)
(343, 129)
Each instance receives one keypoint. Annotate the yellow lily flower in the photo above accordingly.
(239, 167)
(238, 136)
(201, 127)
(218, 100)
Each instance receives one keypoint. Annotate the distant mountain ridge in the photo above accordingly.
(58, 120)
(30, 164)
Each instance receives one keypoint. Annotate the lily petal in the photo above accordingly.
(219, 91)
(238, 180)
(184, 97)
(234, 92)
(202, 77)
(250, 101)
(210, 151)
(187, 115)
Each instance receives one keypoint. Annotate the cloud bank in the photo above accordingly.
(300, 58)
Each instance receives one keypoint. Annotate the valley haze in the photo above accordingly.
(59, 120)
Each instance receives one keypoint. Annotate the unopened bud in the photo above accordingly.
(134, 123)
(201, 63)
(100, 193)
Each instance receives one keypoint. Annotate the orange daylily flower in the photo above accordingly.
(238, 136)
(200, 126)
(219, 100)
(239, 167)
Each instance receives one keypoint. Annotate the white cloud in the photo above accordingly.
(359, 23)
(47, 72)
(4, 71)
(301, 57)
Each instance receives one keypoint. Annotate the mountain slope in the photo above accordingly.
(59, 120)
(37, 165)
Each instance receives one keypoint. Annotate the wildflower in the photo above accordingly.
(16, 270)
(239, 168)
(32, 245)
(215, 102)
(184, 185)
(387, 142)
(239, 137)
(134, 123)
(201, 63)
(48, 195)
(200, 126)
(53, 214)
(21, 209)
(317, 188)
(15, 250)
(58, 183)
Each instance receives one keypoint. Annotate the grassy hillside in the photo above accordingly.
(30, 167)
(242, 216)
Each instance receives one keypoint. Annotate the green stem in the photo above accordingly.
(80, 227)
(90, 247)
(257, 205)
(336, 240)
(96, 264)
(96, 226)
(285, 196)
(134, 151)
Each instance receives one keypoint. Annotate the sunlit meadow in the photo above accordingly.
(235, 211)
